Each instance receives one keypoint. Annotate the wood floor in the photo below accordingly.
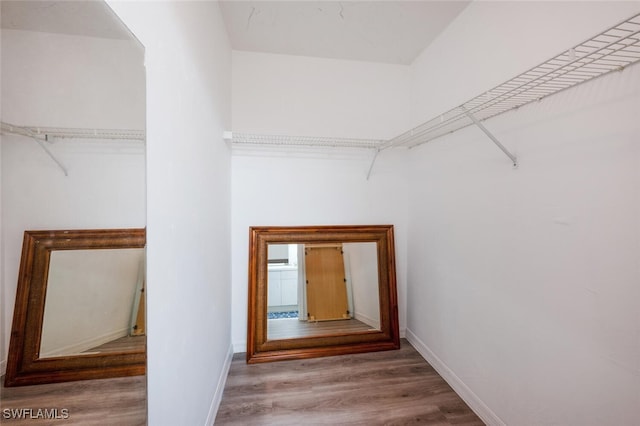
(380, 388)
(286, 328)
(123, 344)
(390, 388)
(107, 402)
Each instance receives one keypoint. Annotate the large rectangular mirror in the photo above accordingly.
(79, 311)
(316, 291)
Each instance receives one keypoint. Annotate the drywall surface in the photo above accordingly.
(523, 284)
(188, 63)
(55, 80)
(302, 96)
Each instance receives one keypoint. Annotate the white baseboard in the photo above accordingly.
(371, 322)
(80, 347)
(472, 400)
(217, 396)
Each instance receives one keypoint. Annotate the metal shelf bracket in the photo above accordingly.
(50, 154)
(22, 131)
(373, 161)
(486, 131)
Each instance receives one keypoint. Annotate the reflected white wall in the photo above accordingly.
(90, 298)
(362, 259)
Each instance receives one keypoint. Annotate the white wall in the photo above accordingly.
(67, 81)
(302, 96)
(523, 284)
(90, 298)
(290, 95)
(188, 62)
(362, 261)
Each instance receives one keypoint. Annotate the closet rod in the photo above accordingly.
(611, 50)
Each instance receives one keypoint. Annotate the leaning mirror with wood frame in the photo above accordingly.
(321, 290)
(79, 310)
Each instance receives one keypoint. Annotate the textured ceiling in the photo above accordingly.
(91, 18)
(375, 31)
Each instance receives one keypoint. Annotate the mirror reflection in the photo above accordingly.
(94, 302)
(322, 289)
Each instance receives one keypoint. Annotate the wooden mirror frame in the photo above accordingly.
(24, 365)
(261, 349)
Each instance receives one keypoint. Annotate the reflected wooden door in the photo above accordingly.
(326, 282)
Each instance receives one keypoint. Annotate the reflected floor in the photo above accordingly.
(287, 328)
(123, 344)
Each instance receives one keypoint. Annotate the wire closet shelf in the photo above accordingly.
(611, 50)
(250, 139)
(45, 136)
(49, 134)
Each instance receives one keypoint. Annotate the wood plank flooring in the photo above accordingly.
(123, 344)
(107, 402)
(379, 388)
(286, 328)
